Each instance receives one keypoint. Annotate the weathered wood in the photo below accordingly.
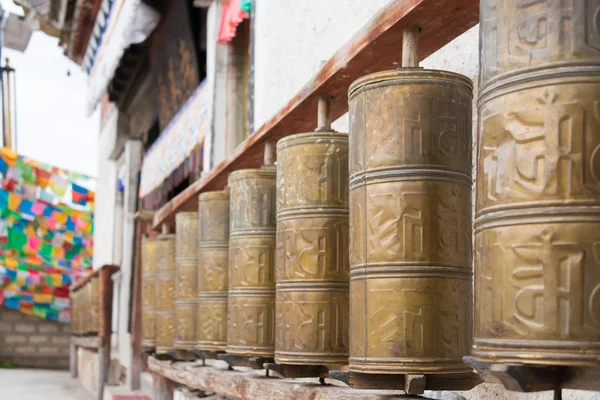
(375, 47)
(298, 371)
(533, 378)
(414, 384)
(250, 385)
(398, 381)
(88, 342)
(244, 361)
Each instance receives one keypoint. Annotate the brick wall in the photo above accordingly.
(30, 342)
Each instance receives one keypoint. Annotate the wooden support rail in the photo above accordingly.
(251, 385)
(375, 47)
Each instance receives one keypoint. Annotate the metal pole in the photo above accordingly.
(8, 131)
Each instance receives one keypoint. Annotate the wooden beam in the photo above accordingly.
(251, 385)
(375, 47)
(88, 342)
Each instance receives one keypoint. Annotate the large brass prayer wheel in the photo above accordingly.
(312, 249)
(251, 307)
(165, 293)
(186, 275)
(213, 263)
(410, 222)
(537, 227)
(149, 249)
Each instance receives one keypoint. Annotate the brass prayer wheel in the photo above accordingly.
(149, 249)
(74, 323)
(312, 249)
(410, 222)
(165, 293)
(94, 310)
(537, 227)
(186, 289)
(251, 307)
(213, 262)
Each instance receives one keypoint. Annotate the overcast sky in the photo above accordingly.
(51, 122)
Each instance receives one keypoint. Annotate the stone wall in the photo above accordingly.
(31, 342)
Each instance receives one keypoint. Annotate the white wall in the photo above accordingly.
(293, 38)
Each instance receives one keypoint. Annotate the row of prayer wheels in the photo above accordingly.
(85, 311)
(358, 249)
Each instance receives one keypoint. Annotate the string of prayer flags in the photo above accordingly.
(46, 228)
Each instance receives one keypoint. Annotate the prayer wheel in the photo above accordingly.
(186, 290)
(149, 249)
(86, 313)
(251, 307)
(165, 293)
(537, 226)
(213, 263)
(75, 323)
(312, 249)
(94, 310)
(410, 222)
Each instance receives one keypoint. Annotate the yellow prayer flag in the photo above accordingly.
(13, 202)
(42, 298)
(56, 280)
(9, 156)
(11, 263)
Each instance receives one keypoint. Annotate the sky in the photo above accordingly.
(51, 122)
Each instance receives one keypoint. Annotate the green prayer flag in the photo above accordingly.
(246, 5)
(40, 311)
(16, 239)
(46, 250)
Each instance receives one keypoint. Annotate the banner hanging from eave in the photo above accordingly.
(181, 142)
(131, 22)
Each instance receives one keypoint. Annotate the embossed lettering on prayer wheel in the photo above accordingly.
(251, 308)
(410, 222)
(213, 263)
(186, 275)
(537, 234)
(165, 293)
(149, 249)
(312, 249)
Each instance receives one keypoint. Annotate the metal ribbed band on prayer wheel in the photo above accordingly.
(251, 309)
(213, 263)
(149, 249)
(94, 309)
(410, 222)
(537, 226)
(186, 289)
(165, 293)
(312, 249)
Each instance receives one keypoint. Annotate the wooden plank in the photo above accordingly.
(89, 342)
(251, 385)
(375, 47)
